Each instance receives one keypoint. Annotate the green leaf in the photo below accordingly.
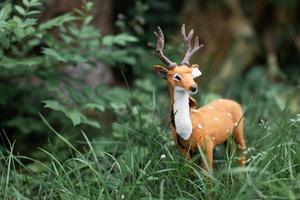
(30, 22)
(19, 33)
(34, 12)
(108, 40)
(121, 39)
(89, 122)
(16, 22)
(35, 3)
(26, 3)
(1, 54)
(20, 10)
(122, 56)
(75, 116)
(14, 62)
(124, 38)
(88, 20)
(89, 6)
(4, 41)
(94, 106)
(57, 22)
(54, 105)
(5, 12)
(54, 54)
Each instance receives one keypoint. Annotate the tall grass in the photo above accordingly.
(147, 165)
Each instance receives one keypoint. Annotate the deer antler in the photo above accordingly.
(160, 47)
(187, 42)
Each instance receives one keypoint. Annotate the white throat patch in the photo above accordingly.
(196, 72)
(181, 111)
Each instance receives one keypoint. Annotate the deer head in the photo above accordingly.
(180, 76)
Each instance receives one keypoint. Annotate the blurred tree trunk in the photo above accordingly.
(236, 36)
(229, 38)
(102, 14)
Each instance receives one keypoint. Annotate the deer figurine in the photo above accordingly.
(192, 127)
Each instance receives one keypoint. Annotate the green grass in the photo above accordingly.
(145, 164)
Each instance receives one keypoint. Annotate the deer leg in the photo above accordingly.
(208, 152)
(186, 153)
(240, 142)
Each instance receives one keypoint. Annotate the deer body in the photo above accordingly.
(207, 126)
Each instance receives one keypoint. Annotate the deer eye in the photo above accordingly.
(177, 77)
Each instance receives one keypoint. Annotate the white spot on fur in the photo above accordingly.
(216, 119)
(213, 138)
(227, 130)
(196, 72)
(229, 115)
(181, 108)
(200, 126)
(236, 124)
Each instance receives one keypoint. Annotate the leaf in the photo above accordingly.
(54, 54)
(16, 22)
(88, 20)
(34, 12)
(20, 10)
(89, 5)
(73, 93)
(19, 33)
(94, 106)
(124, 38)
(35, 3)
(75, 116)
(121, 39)
(54, 105)
(26, 3)
(123, 57)
(14, 62)
(117, 107)
(30, 22)
(4, 41)
(89, 122)
(108, 40)
(57, 22)
(1, 54)
(5, 12)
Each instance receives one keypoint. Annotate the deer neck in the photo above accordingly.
(181, 112)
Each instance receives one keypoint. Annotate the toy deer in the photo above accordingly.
(192, 127)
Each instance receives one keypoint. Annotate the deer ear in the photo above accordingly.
(195, 71)
(162, 71)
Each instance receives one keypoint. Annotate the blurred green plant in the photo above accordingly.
(33, 56)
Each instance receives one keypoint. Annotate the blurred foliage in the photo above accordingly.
(32, 60)
(34, 55)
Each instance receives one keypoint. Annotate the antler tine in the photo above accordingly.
(160, 48)
(187, 42)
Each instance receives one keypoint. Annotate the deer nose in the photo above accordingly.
(193, 89)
